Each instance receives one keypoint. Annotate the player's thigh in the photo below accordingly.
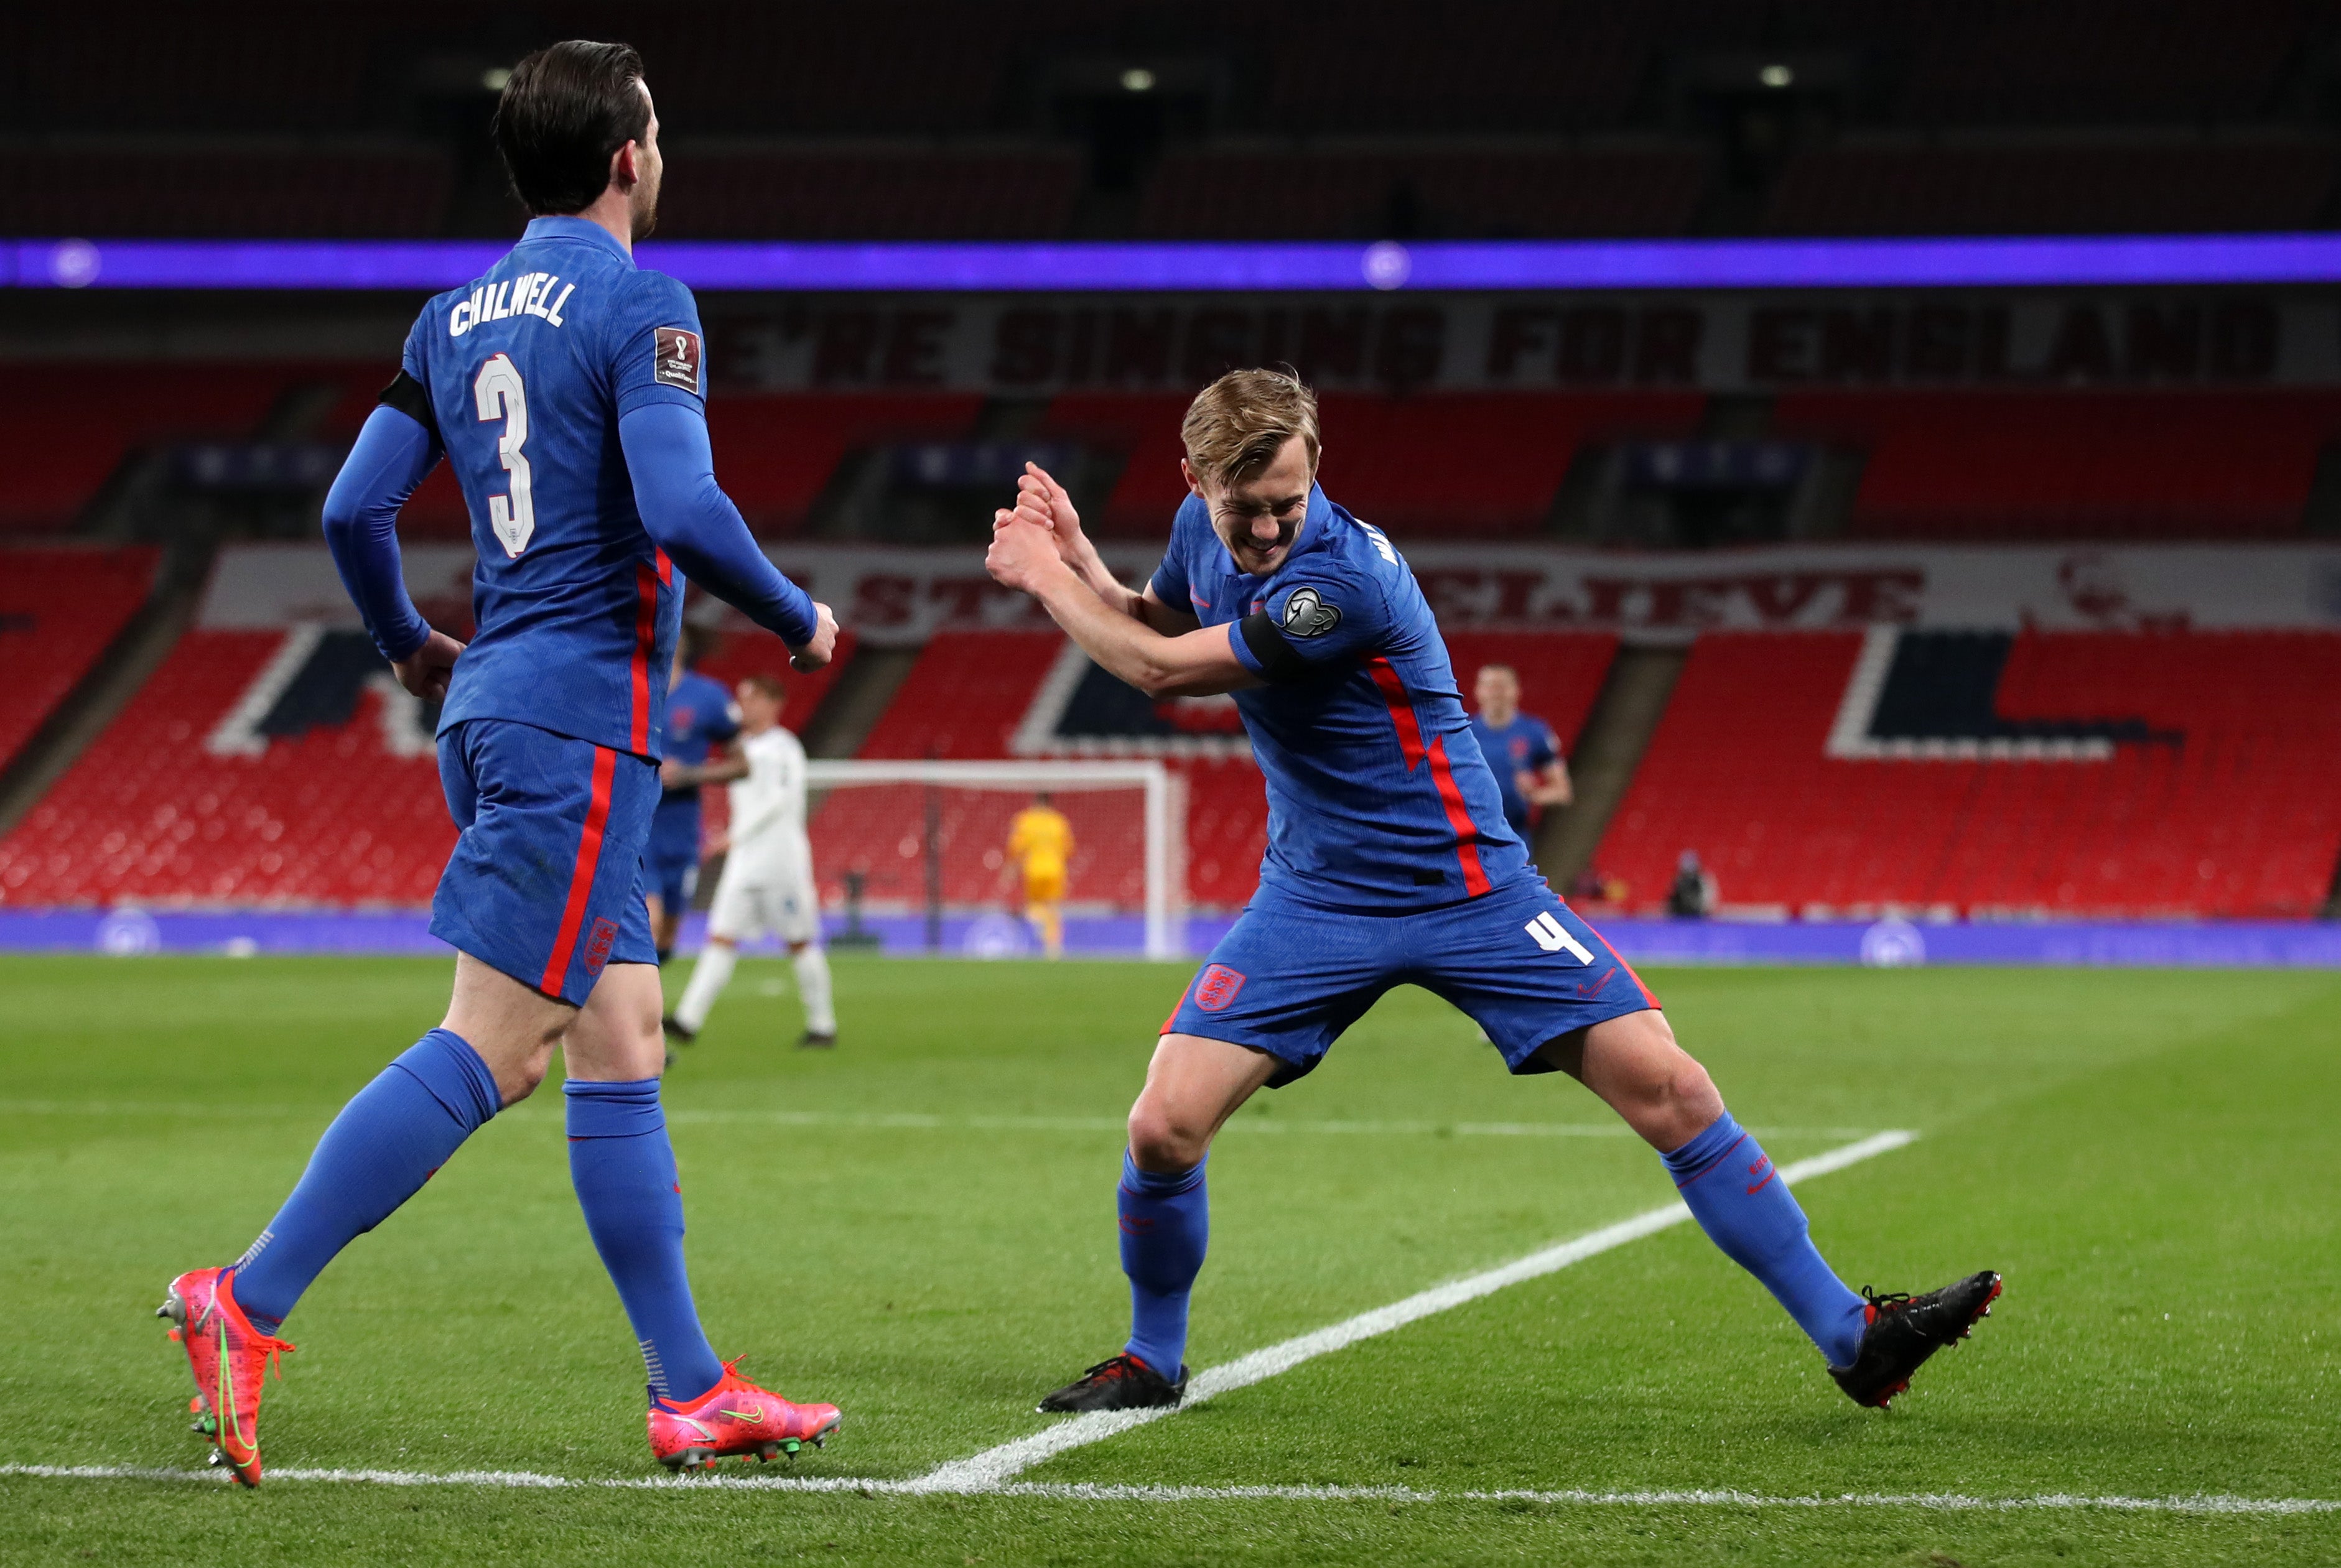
(616, 1037)
(1526, 970)
(1634, 1063)
(1192, 1087)
(545, 882)
(512, 1026)
(1288, 979)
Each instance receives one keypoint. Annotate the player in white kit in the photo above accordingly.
(767, 883)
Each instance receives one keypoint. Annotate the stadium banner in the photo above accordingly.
(127, 931)
(900, 598)
(1033, 346)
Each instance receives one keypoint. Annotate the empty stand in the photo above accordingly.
(2226, 809)
(965, 696)
(1500, 190)
(1483, 464)
(1144, 428)
(1477, 464)
(2012, 185)
(168, 188)
(775, 452)
(333, 815)
(888, 67)
(1560, 673)
(873, 191)
(2075, 464)
(2072, 61)
(71, 425)
(59, 609)
(1513, 66)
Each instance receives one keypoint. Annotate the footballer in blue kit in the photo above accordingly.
(566, 389)
(698, 718)
(1389, 862)
(1520, 750)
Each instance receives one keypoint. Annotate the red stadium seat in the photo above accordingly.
(71, 426)
(59, 609)
(1473, 465)
(774, 452)
(148, 815)
(2236, 818)
(2094, 464)
(1477, 464)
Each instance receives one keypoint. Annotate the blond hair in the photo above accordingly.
(1237, 425)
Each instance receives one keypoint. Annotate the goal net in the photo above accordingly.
(918, 850)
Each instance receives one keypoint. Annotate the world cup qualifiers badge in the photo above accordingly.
(680, 359)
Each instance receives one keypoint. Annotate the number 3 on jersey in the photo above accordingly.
(497, 394)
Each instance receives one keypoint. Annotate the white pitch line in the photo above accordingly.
(1092, 1491)
(994, 1468)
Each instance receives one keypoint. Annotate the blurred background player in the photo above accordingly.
(1040, 847)
(698, 716)
(578, 432)
(767, 883)
(1522, 751)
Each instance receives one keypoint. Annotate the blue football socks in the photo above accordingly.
(1166, 1223)
(1739, 1199)
(378, 1153)
(623, 1169)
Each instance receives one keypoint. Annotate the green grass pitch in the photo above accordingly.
(920, 1228)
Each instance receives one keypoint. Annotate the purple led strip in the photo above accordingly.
(411, 265)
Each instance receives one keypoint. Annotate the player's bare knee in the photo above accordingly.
(1162, 1140)
(518, 1079)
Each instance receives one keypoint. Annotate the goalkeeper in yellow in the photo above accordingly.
(1041, 845)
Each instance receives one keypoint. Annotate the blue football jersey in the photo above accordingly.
(1527, 744)
(528, 370)
(1378, 797)
(698, 715)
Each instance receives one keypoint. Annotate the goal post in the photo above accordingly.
(930, 836)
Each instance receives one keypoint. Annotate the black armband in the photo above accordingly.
(1280, 661)
(406, 395)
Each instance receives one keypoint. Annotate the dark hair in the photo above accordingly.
(567, 110)
(696, 643)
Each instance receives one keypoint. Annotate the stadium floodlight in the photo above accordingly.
(927, 834)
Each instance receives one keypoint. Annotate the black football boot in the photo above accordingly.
(1905, 1330)
(1125, 1383)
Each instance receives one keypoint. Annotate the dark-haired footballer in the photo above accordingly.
(1389, 863)
(566, 389)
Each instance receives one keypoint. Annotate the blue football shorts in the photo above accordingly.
(1289, 977)
(545, 883)
(671, 859)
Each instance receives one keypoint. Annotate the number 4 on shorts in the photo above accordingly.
(1553, 937)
